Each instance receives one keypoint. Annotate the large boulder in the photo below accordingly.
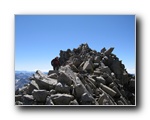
(97, 59)
(62, 99)
(74, 102)
(87, 99)
(49, 101)
(47, 84)
(53, 76)
(77, 62)
(100, 79)
(65, 79)
(88, 66)
(79, 90)
(40, 95)
(18, 97)
(33, 85)
(62, 88)
(109, 51)
(28, 99)
(108, 90)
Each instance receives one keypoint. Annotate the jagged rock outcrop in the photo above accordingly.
(85, 77)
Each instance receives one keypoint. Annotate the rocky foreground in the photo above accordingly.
(85, 77)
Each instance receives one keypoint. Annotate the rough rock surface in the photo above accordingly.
(85, 77)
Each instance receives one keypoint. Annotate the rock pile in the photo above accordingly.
(86, 77)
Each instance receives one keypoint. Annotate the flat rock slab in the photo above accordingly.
(61, 99)
(47, 84)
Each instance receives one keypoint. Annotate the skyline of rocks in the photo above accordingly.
(85, 77)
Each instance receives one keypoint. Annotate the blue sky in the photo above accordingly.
(39, 38)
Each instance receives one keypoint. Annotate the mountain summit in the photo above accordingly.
(85, 77)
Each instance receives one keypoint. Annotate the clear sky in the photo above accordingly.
(39, 38)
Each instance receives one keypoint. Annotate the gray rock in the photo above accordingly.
(107, 78)
(33, 85)
(62, 88)
(120, 102)
(97, 72)
(92, 80)
(132, 83)
(47, 84)
(101, 98)
(77, 62)
(87, 99)
(61, 99)
(111, 85)
(23, 90)
(74, 102)
(116, 68)
(106, 70)
(64, 78)
(53, 75)
(42, 75)
(123, 100)
(125, 78)
(49, 101)
(100, 79)
(89, 89)
(52, 92)
(117, 91)
(40, 95)
(97, 59)
(52, 71)
(81, 66)
(35, 77)
(28, 100)
(18, 103)
(109, 51)
(108, 90)
(74, 68)
(79, 90)
(88, 66)
(103, 50)
(18, 98)
(96, 65)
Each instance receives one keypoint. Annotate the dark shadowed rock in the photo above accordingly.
(100, 79)
(40, 95)
(88, 66)
(18, 97)
(74, 102)
(97, 59)
(103, 50)
(79, 90)
(87, 99)
(18, 103)
(108, 90)
(28, 100)
(49, 101)
(109, 51)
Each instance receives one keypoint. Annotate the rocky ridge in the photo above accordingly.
(85, 77)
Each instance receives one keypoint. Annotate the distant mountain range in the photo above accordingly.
(22, 78)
